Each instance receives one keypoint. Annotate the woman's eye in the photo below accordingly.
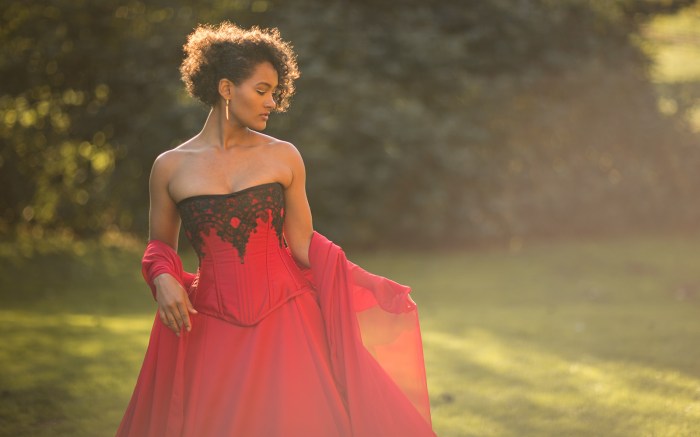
(262, 93)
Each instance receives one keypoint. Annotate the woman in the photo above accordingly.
(277, 334)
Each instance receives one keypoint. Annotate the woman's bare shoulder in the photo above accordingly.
(283, 148)
(170, 159)
(286, 155)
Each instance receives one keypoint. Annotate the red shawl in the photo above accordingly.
(160, 258)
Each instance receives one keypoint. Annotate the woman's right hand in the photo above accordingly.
(174, 306)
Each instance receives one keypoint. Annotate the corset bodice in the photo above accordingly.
(245, 270)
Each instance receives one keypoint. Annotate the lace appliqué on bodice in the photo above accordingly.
(234, 216)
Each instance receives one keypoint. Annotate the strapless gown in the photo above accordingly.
(257, 361)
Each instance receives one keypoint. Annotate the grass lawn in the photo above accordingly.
(568, 338)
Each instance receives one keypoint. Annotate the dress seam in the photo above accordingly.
(263, 316)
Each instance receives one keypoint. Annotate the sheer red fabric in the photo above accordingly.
(277, 349)
(159, 258)
(376, 350)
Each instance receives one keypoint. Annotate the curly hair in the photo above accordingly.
(227, 51)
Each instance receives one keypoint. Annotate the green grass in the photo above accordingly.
(570, 338)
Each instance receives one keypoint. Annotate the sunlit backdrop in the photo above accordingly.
(529, 168)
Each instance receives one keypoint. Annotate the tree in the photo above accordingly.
(432, 123)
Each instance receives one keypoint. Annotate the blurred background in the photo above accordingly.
(431, 124)
(529, 167)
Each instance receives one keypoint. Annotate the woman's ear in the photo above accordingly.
(226, 89)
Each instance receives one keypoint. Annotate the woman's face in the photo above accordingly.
(253, 99)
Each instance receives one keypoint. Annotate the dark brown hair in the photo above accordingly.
(227, 51)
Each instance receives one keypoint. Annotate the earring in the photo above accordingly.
(226, 109)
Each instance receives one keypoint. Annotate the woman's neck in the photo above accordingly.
(224, 134)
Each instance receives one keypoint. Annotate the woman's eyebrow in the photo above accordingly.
(264, 83)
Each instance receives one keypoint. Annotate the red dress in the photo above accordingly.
(276, 349)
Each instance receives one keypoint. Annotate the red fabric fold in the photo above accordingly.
(375, 343)
(159, 258)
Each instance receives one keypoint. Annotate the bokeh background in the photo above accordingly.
(529, 167)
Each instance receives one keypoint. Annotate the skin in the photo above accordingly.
(227, 156)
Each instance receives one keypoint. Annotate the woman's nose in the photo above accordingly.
(270, 103)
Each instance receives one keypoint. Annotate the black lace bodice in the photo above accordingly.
(234, 216)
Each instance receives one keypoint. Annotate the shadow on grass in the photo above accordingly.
(75, 330)
(69, 374)
(485, 384)
(577, 338)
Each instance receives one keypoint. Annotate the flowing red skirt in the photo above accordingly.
(343, 359)
(225, 380)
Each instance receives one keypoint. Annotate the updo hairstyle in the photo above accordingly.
(227, 51)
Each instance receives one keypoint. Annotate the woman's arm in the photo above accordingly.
(174, 305)
(298, 226)
(163, 219)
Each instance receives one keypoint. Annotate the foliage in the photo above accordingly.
(433, 123)
(92, 95)
(459, 123)
(673, 41)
